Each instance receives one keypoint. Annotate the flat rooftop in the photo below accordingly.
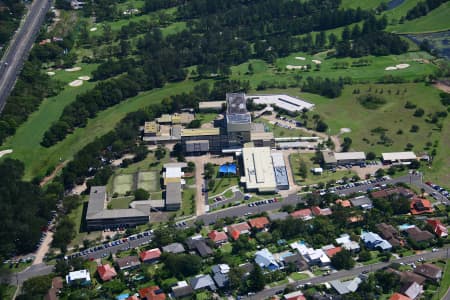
(391, 156)
(199, 131)
(349, 155)
(285, 102)
(173, 193)
(258, 167)
(211, 104)
(236, 103)
(97, 198)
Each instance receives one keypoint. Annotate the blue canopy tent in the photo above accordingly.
(227, 169)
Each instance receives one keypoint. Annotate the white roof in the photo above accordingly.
(344, 238)
(77, 275)
(293, 294)
(258, 166)
(349, 155)
(210, 104)
(391, 156)
(285, 102)
(317, 170)
(277, 159)
(174, 172)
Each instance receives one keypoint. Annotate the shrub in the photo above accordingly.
(370, 101)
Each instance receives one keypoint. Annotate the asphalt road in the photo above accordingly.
(20, 46)
(264, 294)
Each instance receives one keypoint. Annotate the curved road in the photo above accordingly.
(20, 46)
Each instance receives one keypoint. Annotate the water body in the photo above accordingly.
(439, 41)
(394, 3)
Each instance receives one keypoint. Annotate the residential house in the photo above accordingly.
(346, 243)
(406, 277)
(202, 281)
(412, 289)
(418, 235)
(429, 271)
(392, 192)
(106, 272)
(55, 289)
(362, 202)
(265, 259)
(152, 293)
(174, 248)
(259, 223)
(182, 289)
(127, 262)
(389, 233)
(331, 251)
(82, 277)
(218, 237)
(220, 274)
(304, 214)
(298, 295)
(200, 246)
(150, 256)
(317, 211)
(343, 203)
(420, 206)
(398, 296)
(235, 230)
(374, 241)
(438, 228)
(312, 256)
(282, 215)
(246, 268)
(345, 287)
(296, 259)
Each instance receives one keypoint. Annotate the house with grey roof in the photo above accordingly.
(202, 281)
(362, 202)
(174, 248)
(182, 289)
(99, 217)
(220, 274)
(282, 215)
(265, 259)
(412, 289)
(127, 262)
(373, 241)
(345, 287)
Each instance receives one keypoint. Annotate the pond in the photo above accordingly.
(394, 3)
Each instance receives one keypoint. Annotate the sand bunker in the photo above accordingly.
(85, 78)
(300, 58)
(345, 130)
(51, 73)
(93, 29)
(74, 69)
(397, 67)
(316, 61)
(4, 152)
(291, 67)
(76, 83)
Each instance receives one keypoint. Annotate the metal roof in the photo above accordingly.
(97, 198)
(392, 156)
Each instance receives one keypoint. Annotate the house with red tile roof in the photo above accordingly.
(317, 211)
(298, 295)
(331, 252)
(438, 228)
(420, 206)
(235, 230)
(106, 272)
(398, 296)
(304, 214)
(218, 237)
(259, 223)
(344, 203)
(152, 293)
(150, 256)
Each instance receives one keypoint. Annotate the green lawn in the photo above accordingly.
(222, 183)
(123, 183)
(294, 160)
(188, 203)
(37, 159)
(7, 291)
(206, 117)
(277, 283)
(436, 20)
(298, 276)
(375, 258)
(281, 131)
(77, 217)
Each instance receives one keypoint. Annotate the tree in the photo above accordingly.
(141, 194)
(321, 126)
(370, 156)
(364, 255)
(37, 286)
(257, 280)
(194, 124)
(160, 152)
(303, 170)
(182, 264)
(235, 278)
(388, 281)
(343, 260)
(379, 173)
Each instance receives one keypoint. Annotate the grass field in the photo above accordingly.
(436, 20)
(188, 203)
(298, 276)
(294, 160)
(148, 181)
(76, 216)
(123, 183)
(444, 283)
(281, 131)
(222, 183)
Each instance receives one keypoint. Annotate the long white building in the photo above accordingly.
(285, 102)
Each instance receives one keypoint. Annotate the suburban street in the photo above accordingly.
(441, 253)
(19, 47)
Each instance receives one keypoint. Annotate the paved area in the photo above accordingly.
(43, 249)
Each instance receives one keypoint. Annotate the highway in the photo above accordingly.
(266, 293)
(19, 47)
